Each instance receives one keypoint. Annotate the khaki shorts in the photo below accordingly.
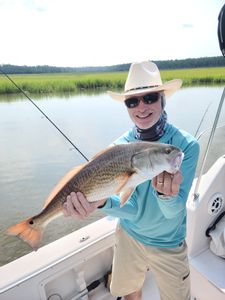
(132, 260)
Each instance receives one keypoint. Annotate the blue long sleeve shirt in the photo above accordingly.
(148, 218)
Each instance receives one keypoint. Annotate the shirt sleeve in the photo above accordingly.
(173, 206)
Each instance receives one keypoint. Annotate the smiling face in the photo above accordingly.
(144, 115)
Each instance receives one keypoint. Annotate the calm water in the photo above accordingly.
(34, 156)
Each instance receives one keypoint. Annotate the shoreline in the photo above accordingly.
(78, 82)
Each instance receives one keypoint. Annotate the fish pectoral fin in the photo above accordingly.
(129, 186)
(122, 180)
(126, 187)
(125, 195)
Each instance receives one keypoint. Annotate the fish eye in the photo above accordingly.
(168, 150)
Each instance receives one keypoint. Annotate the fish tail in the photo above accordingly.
(28, 231)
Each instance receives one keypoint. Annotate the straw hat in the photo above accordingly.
(144, 77)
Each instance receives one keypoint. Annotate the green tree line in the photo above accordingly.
(202, 62)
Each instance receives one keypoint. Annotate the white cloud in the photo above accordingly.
(87, 32)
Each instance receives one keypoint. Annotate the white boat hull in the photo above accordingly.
(65, 268)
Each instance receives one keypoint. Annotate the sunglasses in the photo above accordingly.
(147, 99)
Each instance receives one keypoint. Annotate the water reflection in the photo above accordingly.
(49, 96)
(34, 156)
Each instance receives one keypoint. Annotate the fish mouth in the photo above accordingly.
(176, 162)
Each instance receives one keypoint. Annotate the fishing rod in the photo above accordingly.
(221, 38)
(202, 119)
(196, 195)
(204, 132)
(25, 94)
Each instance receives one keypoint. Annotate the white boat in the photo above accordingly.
(75, 266)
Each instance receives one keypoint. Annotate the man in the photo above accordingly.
(152, 224)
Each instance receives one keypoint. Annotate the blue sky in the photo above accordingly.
(106, 32)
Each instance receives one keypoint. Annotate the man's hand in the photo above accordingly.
(167, 184)
(77, 206)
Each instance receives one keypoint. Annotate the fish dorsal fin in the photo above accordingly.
(62, 183)
(125, 195)
(102, 152)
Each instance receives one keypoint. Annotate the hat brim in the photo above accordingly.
(169, 88)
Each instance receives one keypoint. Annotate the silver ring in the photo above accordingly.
(160, 182)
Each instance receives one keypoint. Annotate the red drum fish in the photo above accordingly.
(117, 170)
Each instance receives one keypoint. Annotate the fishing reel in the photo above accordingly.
(221, 30)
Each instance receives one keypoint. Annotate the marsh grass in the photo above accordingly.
(198, 76)
(61, 83)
